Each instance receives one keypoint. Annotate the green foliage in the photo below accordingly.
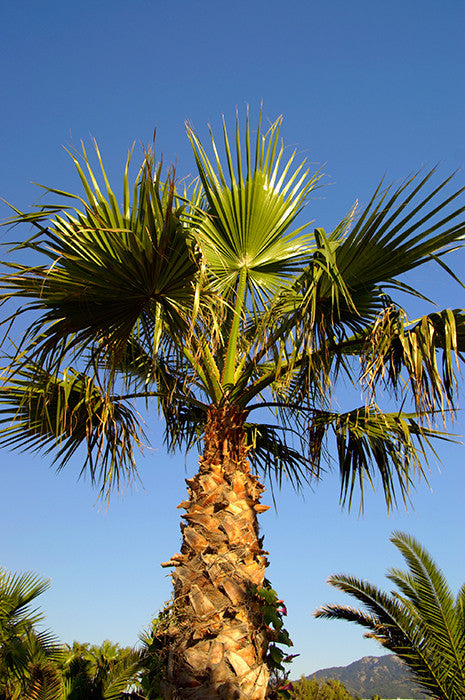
(207, 296)
(35, 666)
(422, 622)
(154, 654)
(313, 689)
(27, 656)
(102, 672)
(274, 611)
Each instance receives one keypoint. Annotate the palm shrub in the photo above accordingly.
(213, 302)
(105, 672)
(422, 622)
(35, 666)
(28, 657)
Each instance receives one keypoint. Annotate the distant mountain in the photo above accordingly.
(386, 676)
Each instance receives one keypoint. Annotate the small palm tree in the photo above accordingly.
(421, 622)
(213, 302)
(27, 657)
(102, 672)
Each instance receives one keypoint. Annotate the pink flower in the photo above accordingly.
(288, 686)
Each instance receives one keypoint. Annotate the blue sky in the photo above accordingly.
(367, 89)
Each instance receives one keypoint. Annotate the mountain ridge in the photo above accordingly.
(386, 676)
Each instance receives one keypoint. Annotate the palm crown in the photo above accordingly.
(208, 296)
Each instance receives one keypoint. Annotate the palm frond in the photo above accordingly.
(342, 291)
(395, 345)
(279, 453)
(42, 412)
(17, 592)
(399, 230)
(184, 423)
(390, 624)
(425, 589)
(110, 268)
(250, 209)
(46, 683)
(384, 616)
(27, 656)
(418, 623)
(372, 444)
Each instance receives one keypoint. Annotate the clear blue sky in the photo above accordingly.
(367, 88)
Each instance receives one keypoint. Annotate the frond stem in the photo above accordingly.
(229, 367)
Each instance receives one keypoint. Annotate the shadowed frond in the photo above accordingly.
(375, 445)
(46, 683)
(402, 352)
(279, 453)
(42, 412)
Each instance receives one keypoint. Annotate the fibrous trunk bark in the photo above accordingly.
(217, 638)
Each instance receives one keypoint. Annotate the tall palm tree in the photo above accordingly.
(421, 622)
(213, 301)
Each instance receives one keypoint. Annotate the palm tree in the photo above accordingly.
(34, 665)
(102, 672)
(211, 300)
(421, 622)
(28, 657)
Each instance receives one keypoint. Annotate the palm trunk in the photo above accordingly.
(217, 638)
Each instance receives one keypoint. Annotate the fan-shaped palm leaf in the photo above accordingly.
(111, 270)
(399, 231)
(27, 656)
(17, 592)
(250, 209)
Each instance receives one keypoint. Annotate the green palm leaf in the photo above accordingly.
(111, 270)
(372, 446)
(48, 413)
(27, 656)
(397, 345)
(47, 684)
(422, 623)
(18, 592)
(250, 209)
(425, 589)
(396, 233)
(214, 301)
